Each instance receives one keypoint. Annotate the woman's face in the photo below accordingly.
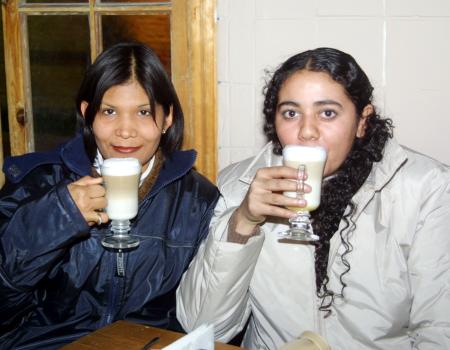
(314, 110)
(124, 125)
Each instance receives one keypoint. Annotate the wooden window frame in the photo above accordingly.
(193, 63)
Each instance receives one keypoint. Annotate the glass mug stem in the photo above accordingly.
(301, 228)
(120, 238)
(120, 227)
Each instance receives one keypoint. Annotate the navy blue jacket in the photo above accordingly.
(57, 282)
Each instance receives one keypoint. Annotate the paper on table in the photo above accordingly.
(201, 338)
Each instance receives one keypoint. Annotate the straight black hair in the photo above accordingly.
(120, 64)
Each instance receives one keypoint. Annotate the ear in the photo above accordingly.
(168, 120)
(366, 113)
(83, 108)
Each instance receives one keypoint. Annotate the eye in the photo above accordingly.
(145, 112)
(289, 114)
(108, 111)
(328, 114)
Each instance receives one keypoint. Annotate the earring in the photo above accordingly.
(163, 131)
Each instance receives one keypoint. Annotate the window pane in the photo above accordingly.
(56, 68)
(54, 1)
(3, 104)
(152, 30)
(146, 1)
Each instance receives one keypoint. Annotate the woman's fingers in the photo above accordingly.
(98, 203)
(278, 179)
(89, 196)
(89, 180)
(97, 218)
(281, 212)
(265, 198)
(280, 200)
(266, 193)
(283, 185)
(96, 191)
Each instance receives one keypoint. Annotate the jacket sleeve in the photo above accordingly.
(37, 223)
(429, 266)
(215, 288)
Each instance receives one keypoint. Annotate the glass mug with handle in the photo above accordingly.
(310, 161)
(121, 179)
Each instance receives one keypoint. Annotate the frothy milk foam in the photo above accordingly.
(314, 159)
(121, 178)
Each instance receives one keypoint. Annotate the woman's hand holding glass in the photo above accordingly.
(88, 194)
(265, 198)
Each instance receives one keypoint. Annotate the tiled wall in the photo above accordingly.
(403, 45)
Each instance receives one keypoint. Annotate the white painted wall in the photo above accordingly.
(403, 46)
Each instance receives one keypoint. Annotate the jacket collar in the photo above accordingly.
(394, 156)
(265, 158)
(73, 155)
(174, 167)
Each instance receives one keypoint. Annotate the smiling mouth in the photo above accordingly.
(125, 150)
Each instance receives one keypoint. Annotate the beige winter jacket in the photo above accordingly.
(398, 294)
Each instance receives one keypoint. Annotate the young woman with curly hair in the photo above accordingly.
(378, 277)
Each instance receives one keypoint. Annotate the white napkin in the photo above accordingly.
(201, 338)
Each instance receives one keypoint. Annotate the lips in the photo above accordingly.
(125, 150)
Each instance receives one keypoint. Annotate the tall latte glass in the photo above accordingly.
(309, 162)
(121, 180)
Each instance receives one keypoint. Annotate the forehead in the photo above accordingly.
(129, 91)
(312, 84)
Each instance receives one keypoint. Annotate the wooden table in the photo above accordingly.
(125, 335)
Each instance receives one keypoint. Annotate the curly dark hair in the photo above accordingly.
(337, 191)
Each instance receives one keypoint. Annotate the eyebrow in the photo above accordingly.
(112, 106)
(317, 103)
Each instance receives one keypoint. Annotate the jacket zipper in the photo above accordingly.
(112, 295)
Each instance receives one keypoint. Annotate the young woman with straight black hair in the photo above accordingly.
(57, 281)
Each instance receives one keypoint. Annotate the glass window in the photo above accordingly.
(152, 30)
(54, 1)
(56, 68)
(3, 104)
(131, 1)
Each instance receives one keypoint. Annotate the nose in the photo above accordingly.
(308, 130)
(126, 127)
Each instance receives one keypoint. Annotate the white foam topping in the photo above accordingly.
(304, 153)
(121, 167)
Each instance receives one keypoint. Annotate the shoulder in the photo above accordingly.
(70, 154)
(411, 176)
(234, 171)
(178, 169)
(422, 169)
(201, 185)
(245, 170)
(404, 164)
(234, 181)
(18, 167)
